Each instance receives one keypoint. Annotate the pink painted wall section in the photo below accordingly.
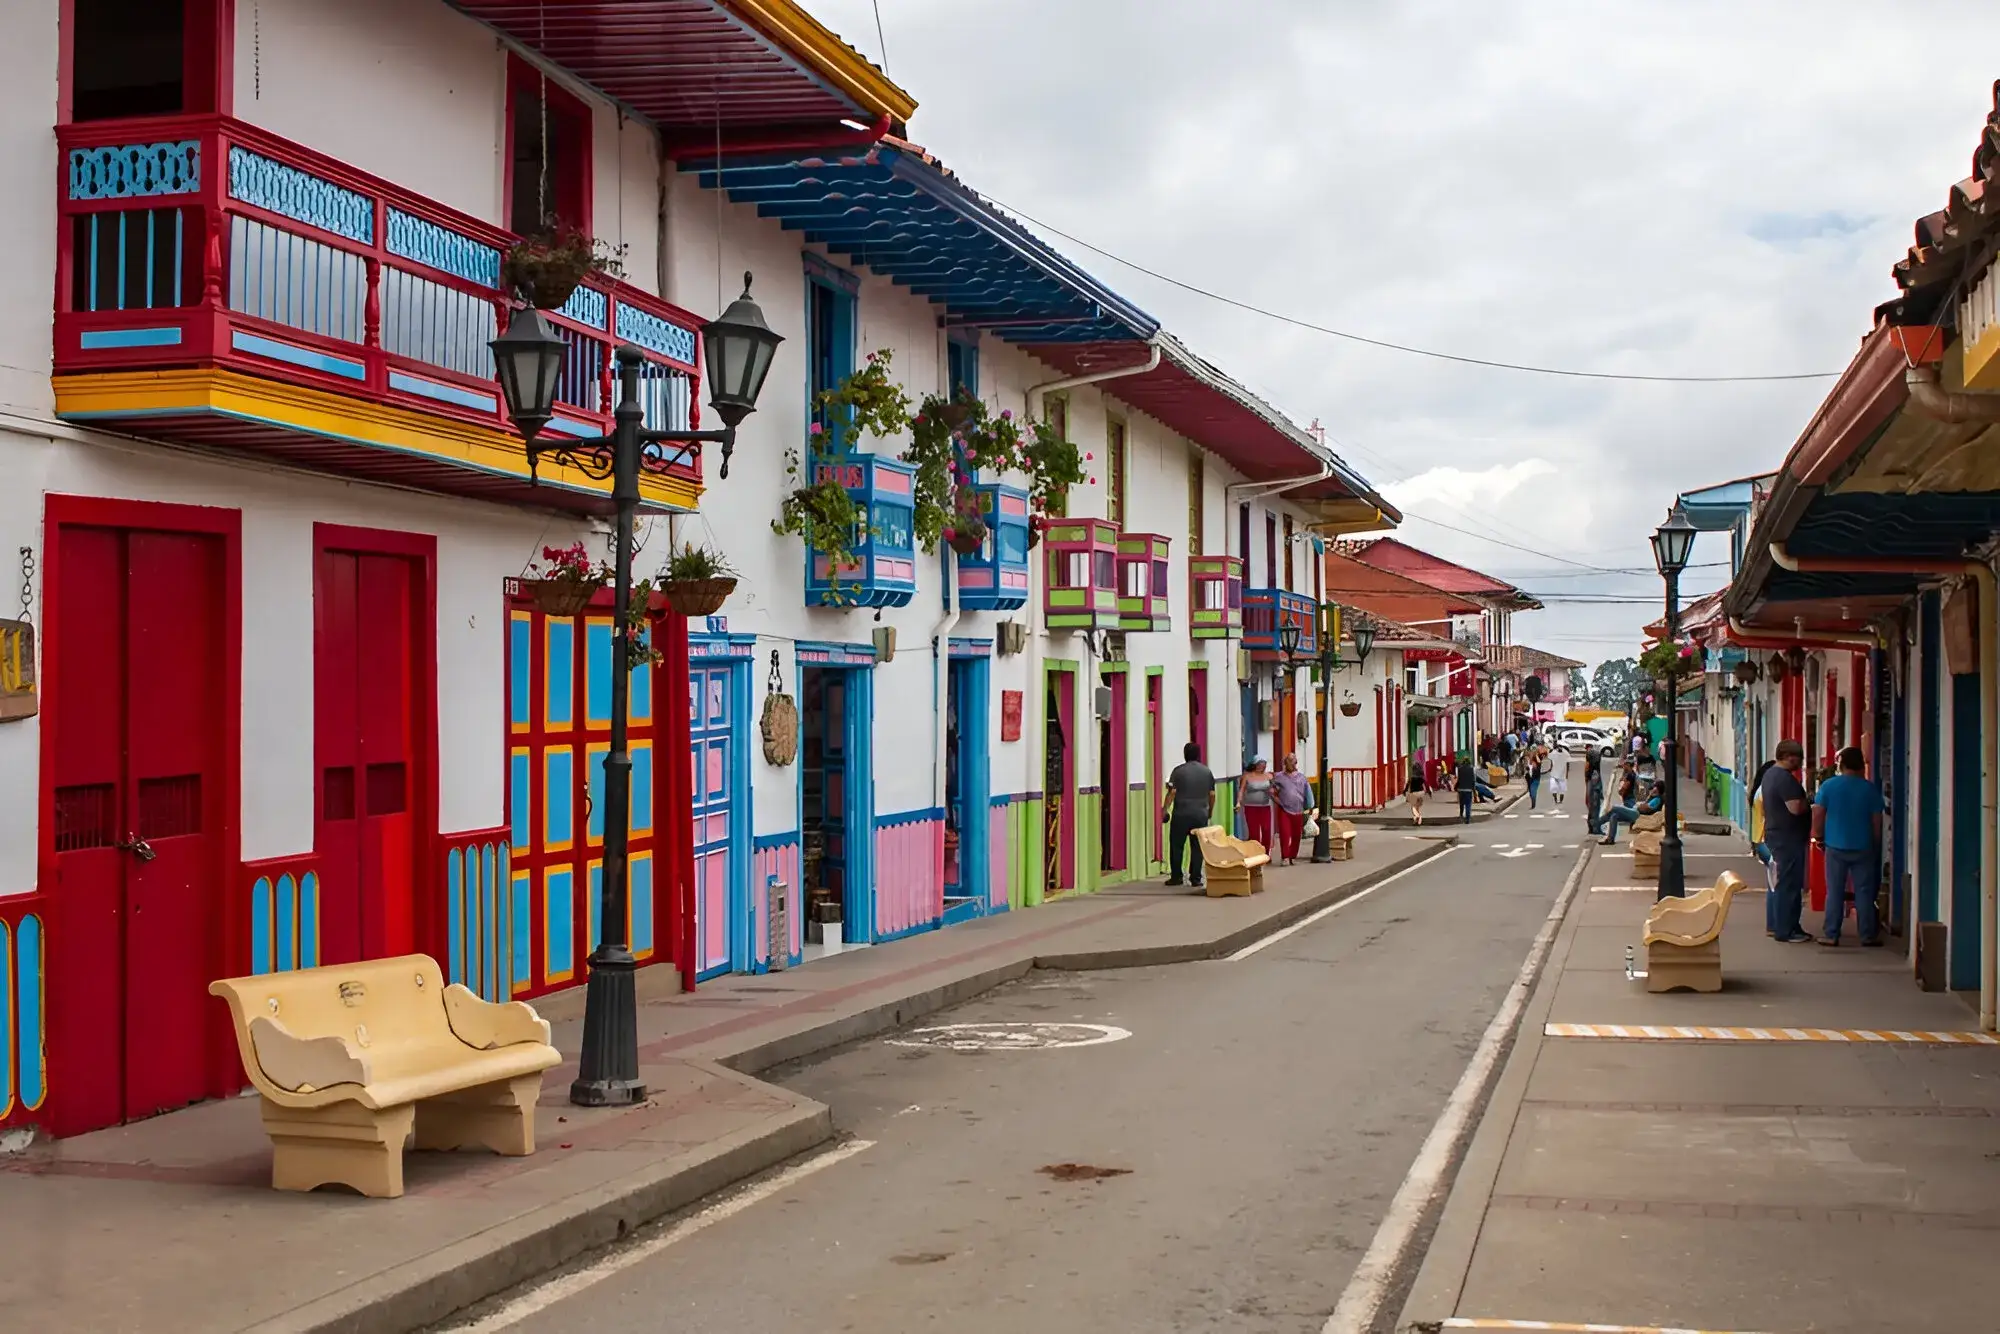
(997, 855)
(909, 875)
(780, 860)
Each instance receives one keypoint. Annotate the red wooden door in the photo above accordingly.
(365, 746)
(137, 771)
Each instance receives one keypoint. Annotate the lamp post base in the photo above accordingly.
(1322, 844)
(608, 1073)
(1673, 870)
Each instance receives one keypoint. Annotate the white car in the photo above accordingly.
(1576, 739)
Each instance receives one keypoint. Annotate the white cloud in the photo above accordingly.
(1462, 489)
(1617, 185)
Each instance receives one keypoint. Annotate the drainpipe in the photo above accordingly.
(1037, 392)
(1989, 708)
(1751, 637)
(1935, 401)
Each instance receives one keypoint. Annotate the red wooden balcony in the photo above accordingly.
(218, 285)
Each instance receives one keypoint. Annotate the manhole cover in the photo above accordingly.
(1011, 1036)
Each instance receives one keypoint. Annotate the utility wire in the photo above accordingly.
(1404, 347)
(880, 40)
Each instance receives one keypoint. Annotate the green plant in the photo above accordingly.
(867, 402)
(1668, 660)
(544, 269)
(1054, 464)
(639, 647)
(689, 564)
(829, 520)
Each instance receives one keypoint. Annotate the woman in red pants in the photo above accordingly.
(1257, 786)
(1292, 795)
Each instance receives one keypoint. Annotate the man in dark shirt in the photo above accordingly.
(1190, 807)
(1787, 831)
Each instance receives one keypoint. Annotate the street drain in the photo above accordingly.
(1082, 1172)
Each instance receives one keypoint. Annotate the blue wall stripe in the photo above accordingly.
(519, 790)
(28, 1011)
(489, 909)
(297, 356)
(522, 904)
(520, 668)
(284, 895)
(260, 925)
(6, 1021)
(595, 905)
(559, 685)
(169, 336)
(642, 790)
(309, 920)
(454, 907)
(559, 890)
(597, 672)
(596, 761)
(639, 697)
(443, 393)
(558, 777)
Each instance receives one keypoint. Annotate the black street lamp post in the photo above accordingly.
(738, 347)
(1328, 663)
(1673, 542)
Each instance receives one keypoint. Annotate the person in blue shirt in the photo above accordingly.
(1847, 823)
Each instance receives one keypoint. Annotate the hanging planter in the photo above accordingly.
(1747, 672)
(545, 270)
(967, 532)
(697, 581)
(1776, 669)
(1350, 708)
(567, 584)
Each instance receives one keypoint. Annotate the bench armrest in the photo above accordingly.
(304, 1065)
(485, 1025)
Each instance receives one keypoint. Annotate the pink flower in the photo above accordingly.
(917, 420)
(1006, 414)
(1090, 458)
(816, 428)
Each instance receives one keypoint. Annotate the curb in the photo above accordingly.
(434, 1287)
(1440, 1280)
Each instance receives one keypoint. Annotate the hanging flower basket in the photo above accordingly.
(968, 536)
(546, 270)
(1350, 709)
(571, 581)
(1747, 672)
(697, 597)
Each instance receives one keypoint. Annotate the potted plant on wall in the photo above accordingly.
(967, 532)
(545, 269)
(1350, 707)
(696, 581)
(563, 582)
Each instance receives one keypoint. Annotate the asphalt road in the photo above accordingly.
(1258, 1120)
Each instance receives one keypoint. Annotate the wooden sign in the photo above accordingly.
(1010, 715)
(17, 671)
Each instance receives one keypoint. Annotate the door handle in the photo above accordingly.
(138, 847)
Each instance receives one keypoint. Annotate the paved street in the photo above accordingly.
(1257, 1121)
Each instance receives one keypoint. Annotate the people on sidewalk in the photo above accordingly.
(1593, 794)
(1257, 788)
(1630, 813)
(1467, 784)
(1847, 823)
(1191, 807)
(1762, 850)
(1293, 794)
(1414, 792)
(1787, 832)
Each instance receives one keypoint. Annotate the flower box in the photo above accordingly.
(884, 572)
(995, 576)
(1142, 582)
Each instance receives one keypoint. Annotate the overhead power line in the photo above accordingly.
(1565, 372)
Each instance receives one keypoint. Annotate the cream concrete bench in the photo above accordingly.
(351, 1058)
(1340, 839)
(1234, 865)
(1684, 938)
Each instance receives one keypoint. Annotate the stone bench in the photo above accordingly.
(1233, 865)
(1684, 938)
(352, 1060)
(1340, 839)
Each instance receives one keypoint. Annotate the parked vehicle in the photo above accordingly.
(1575, 739)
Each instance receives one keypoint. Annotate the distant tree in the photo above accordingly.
(1579, 688)
(1617, 684)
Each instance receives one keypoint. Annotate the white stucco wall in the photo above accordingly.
(28, 163)
(478, 546)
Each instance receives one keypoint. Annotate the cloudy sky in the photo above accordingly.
(1672, 187)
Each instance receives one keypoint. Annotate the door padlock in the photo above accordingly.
(138, 847)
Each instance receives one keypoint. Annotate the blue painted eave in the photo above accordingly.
(901, 215)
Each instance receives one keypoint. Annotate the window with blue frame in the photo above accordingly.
(962, 364)
(830, 334)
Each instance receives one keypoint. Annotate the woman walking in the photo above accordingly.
(1293, 794)
(1467, 784)
(1257, 803)
(1414, 792)
(1532, 769)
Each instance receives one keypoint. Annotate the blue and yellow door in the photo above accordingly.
(559, 734)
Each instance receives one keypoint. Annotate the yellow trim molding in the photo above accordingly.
(110, 396)
(827, 55)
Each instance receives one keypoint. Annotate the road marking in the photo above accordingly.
(1695, 1033)
(1460, 1322)
(1328, 911)
(1373, 1279)
(1510, 817)
(1521, 851)
(569, 1285)
(1011, 1035)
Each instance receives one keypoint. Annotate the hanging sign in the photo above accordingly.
(17, 671)
(1010, 715)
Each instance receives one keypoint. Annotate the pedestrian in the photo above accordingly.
(1847, 823)
(1191, 807)
(1532, 768)
(1559, 778)
(1787, 831)
(1414, 792)
(1593, 794)
(1762, 850)
(1467, 785)
(1629, 813)
(1257, 803)
(1293, 794)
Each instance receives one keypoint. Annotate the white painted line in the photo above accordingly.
(1361, 1301)
(1460, 1322)
(1329, 910)
(561, 1288)
(1510, 817)
(1517, 852)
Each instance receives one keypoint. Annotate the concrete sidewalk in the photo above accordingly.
(1834, 1180)
(1441, 809)
(169, 1224)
